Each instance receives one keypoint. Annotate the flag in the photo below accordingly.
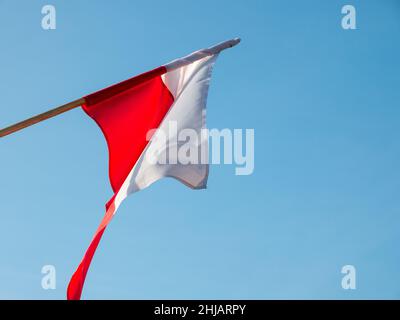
(132, 115)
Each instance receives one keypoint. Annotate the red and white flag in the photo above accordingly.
(128, 113)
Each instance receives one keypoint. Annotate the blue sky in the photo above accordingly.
(324, 103)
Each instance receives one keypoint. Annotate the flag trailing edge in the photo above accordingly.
(128, 111)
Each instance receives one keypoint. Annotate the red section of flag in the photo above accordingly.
(77, 281)
(126, 117)
(125, 112)
(113, 90)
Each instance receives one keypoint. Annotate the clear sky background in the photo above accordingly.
(324, 103)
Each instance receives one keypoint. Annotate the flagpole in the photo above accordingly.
(197, 55)
(200, 54)
(41, 117)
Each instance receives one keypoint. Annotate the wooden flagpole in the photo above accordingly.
(76, 103)
(41, 117)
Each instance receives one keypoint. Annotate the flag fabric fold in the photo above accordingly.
(133, 115)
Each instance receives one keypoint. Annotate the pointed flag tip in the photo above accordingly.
(234, 42)
(237, 40)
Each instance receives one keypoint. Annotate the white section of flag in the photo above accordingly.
(189, 85)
